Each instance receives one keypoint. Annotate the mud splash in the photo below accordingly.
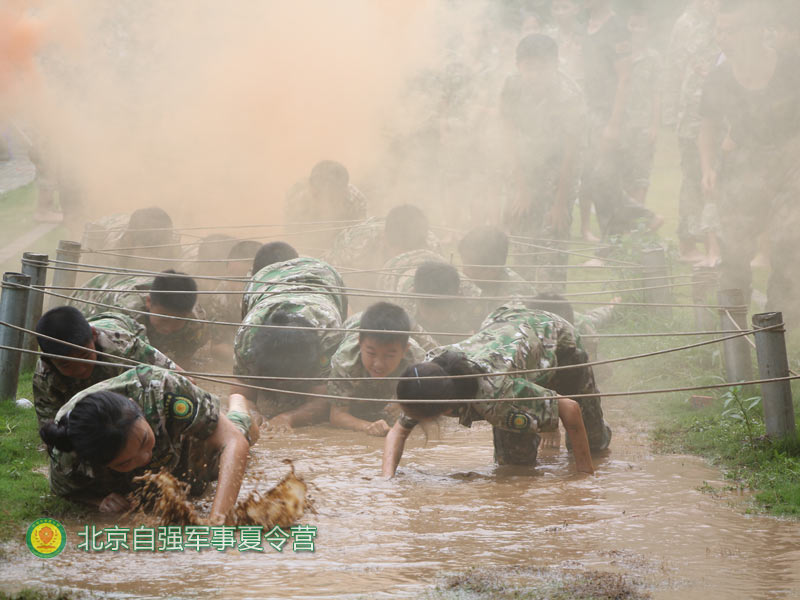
(643, 517)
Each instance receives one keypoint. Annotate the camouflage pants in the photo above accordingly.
(602, 185)
(690, 204)
(577, 381)
(759, 192)
(544, 239)
(513, 448)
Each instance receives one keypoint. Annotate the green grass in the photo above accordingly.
(23, 486)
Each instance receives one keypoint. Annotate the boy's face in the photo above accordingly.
(163, 325)
(74, 369)
(380, 359)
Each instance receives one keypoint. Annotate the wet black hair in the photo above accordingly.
(96, 428)
(150, 226)
(329, 173)
(162, 292)
(437, 278)
(244, 249)
(406, 228)
(553, 303)
(485, 245)
(287, 352)
(152, 217)
(537, 46)
(271, 253)
(385, 315)
(65, 323)
(417, 386)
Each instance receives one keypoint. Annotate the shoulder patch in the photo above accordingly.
(518, 421)
(181, 407)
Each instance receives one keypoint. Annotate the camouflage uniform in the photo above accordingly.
(182, 416)
(587, 324)
(223, 307)
(111, 233)
(301, 286)
(346, 362)
(692, 54)
(116, 334)
(399, 278)
(516, 338)
(638, 145)
(363, 246)
(302, 208)
(542, 129)
(106, 289)
(759, 180)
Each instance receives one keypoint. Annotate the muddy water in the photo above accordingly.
(450, 509)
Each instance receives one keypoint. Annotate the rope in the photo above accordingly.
(450, 401)
(315, 223)
(351, 291)
(333, 292)
(467, 376)
(110, 270)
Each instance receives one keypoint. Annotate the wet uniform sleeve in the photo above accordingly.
(46, 398)
(189, 409)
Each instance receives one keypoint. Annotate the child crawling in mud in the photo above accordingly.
(146, 419)
(513, 338)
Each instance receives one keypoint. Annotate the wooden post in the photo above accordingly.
(68, 252)
(655, 260)
(34, 266)
(776, 397)
(738, 360)
(13, 305)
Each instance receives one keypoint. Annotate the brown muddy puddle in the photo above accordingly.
(450, 509)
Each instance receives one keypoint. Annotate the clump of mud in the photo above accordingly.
(539, 583)
(164, 499)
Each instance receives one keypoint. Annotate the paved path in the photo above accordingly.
(19, 171)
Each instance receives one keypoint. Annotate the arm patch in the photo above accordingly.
(519, 421)
(181, 407)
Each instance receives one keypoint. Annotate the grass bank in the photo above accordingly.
(23, 485)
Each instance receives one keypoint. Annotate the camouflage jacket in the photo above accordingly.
(108, 289)
(646, 82)
(513, 338)
(110, 233)
(509, 283)
(363, 246)
(691, 56)
(587, 323)
(117, 334)
(181, 415)
(304, 286)
(301, 207)
(346, 362)
(223, 307)
(465, 314)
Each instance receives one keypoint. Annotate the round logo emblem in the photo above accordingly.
(182, 408)
(46, 538)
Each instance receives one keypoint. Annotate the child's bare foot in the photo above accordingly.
(589, 236)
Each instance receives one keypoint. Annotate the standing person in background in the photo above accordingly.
(692, 53)
(326, 197)
(642, 118)
(751, 116)
(544, 115)
(607, 72)
(568, 32)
